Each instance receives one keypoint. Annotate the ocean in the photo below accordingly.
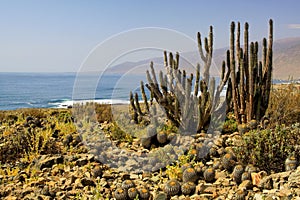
(55, 90)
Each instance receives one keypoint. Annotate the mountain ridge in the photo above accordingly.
(286, 61)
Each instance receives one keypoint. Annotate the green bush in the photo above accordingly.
(230, 124)
(267, 149)
(117, 134)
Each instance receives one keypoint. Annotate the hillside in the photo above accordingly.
(286, 61)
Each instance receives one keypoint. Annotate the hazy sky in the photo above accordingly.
(57, 35)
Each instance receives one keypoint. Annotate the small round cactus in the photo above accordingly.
(144, 193)
(237, 173)
(251, 169)
(120, 194)
(228, 161)
(188, 188)
(213, 152)
(132, 193)
(291, 163)
(97, 172)
(217, 164)
(185, 166)
(245, 176)
(162, 137)
(172, 187)
(198, 170)
(189, 175)
(127, 184)
(209, 174)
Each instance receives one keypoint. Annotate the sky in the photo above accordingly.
(58, 35)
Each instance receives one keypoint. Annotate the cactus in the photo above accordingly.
(162, 137)
(189, 175)
(172, 187)
(144, 193)
(237, 173)
(174, 91)
(120, 194)
(250, 79)
(133, 107)
(228, 161)
(209, 174)
(241, 194)
(188, 188)
(245, 176)
(127, 184)
(132, 193)
(291, 163)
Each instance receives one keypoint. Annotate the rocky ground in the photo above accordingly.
(79, 170)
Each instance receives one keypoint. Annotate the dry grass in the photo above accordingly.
(284, 106)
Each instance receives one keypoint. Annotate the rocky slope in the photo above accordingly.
(74, 171)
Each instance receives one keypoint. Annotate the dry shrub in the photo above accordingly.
(103, 113)
(284, 105)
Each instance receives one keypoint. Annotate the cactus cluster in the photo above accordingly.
(250, 79)
(128, 190)
(190, 102)
(187, 101)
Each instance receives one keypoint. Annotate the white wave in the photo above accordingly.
(70, 103)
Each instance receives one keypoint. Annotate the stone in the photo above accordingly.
(47, 162)
(294, 179)
(107, 175)
(199, 188)
(266, 183)
(195, 197)
(256, 178)
(246, 184)
(220, 175)
(160, 196)
(87, 182)
(45, 191)
(78, 184)
(134, 176)
(287, 193)
(210, 190)
(81, 162)
(97, 172)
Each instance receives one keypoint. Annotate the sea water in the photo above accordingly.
(55, 90)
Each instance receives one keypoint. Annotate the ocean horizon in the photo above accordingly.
(55, 89)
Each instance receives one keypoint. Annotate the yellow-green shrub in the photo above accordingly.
(267, 149)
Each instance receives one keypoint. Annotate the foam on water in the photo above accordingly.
(70, 103)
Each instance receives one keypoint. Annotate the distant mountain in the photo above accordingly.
(286, 61)
(287, 58)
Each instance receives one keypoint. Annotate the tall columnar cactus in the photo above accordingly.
(250, 79)
(174, 92)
